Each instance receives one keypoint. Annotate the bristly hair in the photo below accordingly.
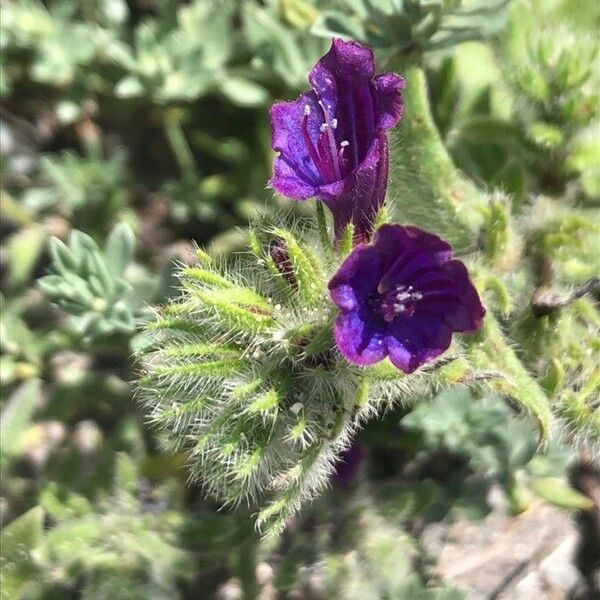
(241, 372)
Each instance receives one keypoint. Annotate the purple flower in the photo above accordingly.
(332, 141)
(348, 465)
(402, 297)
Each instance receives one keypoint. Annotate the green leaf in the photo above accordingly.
(64, 260)
(126, 475)
(243, 91)
(232, 313)
(24, 249)
(298, 13)
(100, 270)
(119, 248)
(17, 414)
(236, 295)
(207, 277)
(61, 503)
(17, 540)
(546, 135)
(264, 403)
(129, 87)
(81, 243)
(560, 493)
(334, 24)
(213, 368)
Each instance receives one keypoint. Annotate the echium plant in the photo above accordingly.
(265, 367)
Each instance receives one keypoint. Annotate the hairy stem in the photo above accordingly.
(432, 193)
(489, 349)
(426, 189)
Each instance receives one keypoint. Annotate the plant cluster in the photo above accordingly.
(176, 336)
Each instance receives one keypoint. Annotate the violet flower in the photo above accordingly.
(402, 297)
(346, 469)
(332, 141)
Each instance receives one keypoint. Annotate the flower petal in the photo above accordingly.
(348, 465)
(363, 192)
(356, 278)
(345, 64)
(389, 103)
(412, 298)
(360, 338)
(287, 182)
(391, 238)
(467, 316)
(411, 342)
(295, 174)
(342, 80)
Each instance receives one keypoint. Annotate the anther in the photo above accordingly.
(403, 296)
(331, 140)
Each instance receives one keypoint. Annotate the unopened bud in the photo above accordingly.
(278, 252)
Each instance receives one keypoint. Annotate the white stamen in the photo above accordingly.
(331, 140)
(334, 123)
(344, 143)
(399, 308)
(306, 110)
(323, 127)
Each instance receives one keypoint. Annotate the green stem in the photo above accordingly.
(323, 233)
(433, 194)
(426, 188)
(488, 349)
(181, 149)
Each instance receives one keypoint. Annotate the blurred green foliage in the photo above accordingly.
(129, 128)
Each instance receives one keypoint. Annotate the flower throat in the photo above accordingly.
(327, 157)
